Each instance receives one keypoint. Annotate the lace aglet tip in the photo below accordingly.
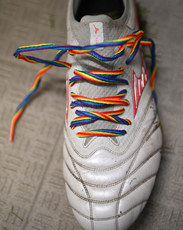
(12, 131)
(11, 137)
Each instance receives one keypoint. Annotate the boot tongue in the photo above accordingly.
(91, 30)
(97, 28)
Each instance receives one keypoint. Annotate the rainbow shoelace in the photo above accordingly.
(103, 77)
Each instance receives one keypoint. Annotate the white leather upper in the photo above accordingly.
(108, 182)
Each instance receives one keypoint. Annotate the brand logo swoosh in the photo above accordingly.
(139, 84)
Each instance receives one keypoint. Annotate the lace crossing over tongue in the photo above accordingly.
(134, 40)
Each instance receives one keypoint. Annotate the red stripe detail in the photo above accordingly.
(67, 97)
(139, 84)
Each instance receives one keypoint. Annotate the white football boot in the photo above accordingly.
(109, 178)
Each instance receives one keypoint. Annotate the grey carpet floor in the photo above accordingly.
(32, 193)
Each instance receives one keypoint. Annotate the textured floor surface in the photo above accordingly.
(32, 193)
